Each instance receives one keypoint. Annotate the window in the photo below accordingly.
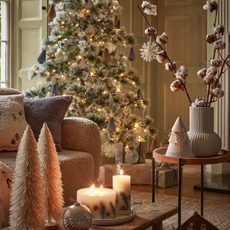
(5, 32)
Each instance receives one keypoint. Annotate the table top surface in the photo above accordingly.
(222, 156)
(147, 215)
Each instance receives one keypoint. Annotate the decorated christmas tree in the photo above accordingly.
(81, 58)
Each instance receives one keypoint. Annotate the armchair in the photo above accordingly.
(79, 159)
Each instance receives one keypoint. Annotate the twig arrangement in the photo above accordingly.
(208, 75)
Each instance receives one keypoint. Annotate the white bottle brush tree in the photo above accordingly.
(27, 209)
(53, 191)
(81, 58)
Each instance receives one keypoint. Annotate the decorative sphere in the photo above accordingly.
(131, 158)
(77, 217)
(61, 55)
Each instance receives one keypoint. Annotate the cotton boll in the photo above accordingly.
(149, 8)
(176, 86)
(228, 62)
(219, 45)
(169, 66)
(161, 56)
(150, 31)
(218, 85)
(211, 71)
(202, 73)
(182, 73)
(210, 5)
(219, 29)
(210, 38)
(216, 62)
(208, 80)
(218, 92)
(162, 39)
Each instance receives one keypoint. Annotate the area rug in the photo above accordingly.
(216, 213)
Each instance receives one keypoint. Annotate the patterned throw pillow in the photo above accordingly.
(12, 121)
(51, 110)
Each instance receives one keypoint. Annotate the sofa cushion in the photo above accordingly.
(50, 110)
(8, 91)
(12, 121)
(77, 170)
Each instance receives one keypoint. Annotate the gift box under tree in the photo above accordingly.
(166, 177)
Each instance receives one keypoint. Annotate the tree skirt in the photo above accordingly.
(216, 213)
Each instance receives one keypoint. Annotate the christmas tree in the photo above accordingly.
(81, 58)
(27, 209)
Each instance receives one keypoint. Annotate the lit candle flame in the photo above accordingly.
(92, 188)
(121, 172)
(101, 188)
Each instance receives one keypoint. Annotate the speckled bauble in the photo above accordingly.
(77, 217)
(131, 158)
(61, 55)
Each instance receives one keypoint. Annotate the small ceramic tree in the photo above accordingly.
(51, 176)
(27, 209)
(178, 141)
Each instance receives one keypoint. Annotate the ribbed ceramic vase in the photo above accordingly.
(204, 141)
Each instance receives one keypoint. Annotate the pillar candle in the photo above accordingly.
(121, 184)
(101, 202)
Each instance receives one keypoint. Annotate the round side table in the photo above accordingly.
(159, 154)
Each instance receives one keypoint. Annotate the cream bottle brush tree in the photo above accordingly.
(80, 61)
(27, 209)
(155, 50)
(53, 191)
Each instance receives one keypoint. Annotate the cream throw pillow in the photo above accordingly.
(12, 121)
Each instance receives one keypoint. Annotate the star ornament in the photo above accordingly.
(149, 51)
(124, 120)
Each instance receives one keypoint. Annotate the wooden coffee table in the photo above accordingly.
(147, 215)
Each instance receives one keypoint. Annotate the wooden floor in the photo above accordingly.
(191, 177)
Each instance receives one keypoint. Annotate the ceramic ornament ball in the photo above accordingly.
(179, 142)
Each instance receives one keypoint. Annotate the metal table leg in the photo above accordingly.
(153, 180)
(179, 193)
(202, 190)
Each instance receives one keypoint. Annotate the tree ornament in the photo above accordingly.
(73, 217)
(88, 5)
(117, 56)
(105, 56)
(71, 17)
(111, 101)
(131, 55)
(124, 120)
(90, 30)
(178, 142)
(52, 182)
(131, 158)
(27, 209)
(149, 51)
(42, 57)
(116, 22)
(52, 13)
(82, 64)
(54, 90)
(61, 55)
(111, 125)
(139, 95)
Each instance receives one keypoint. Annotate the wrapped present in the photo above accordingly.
(166, 177)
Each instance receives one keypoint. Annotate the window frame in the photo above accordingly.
(9, 44)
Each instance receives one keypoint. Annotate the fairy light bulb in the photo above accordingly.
(91, 73)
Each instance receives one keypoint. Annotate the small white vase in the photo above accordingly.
(204, 141)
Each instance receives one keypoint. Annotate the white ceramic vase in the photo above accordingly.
(204, 141)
